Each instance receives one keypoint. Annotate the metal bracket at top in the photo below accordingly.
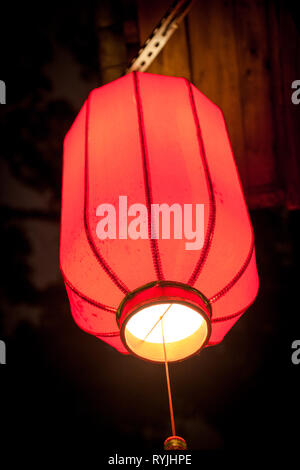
(2, 92)
(160, 35)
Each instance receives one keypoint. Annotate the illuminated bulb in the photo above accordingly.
(179, 321)
(185, 331)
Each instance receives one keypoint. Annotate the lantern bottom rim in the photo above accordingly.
(164, 319)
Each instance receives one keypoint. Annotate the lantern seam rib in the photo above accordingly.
(223, 291)
(229, 317)
(147, 180)
(212, 213)
(238, 275)
(113, 334)
(225, 318)
(107, 308)
(233, 315)
(98, 257)
(94, 333)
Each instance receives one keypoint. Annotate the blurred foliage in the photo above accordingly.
(15, 273)
(33, 125)
(32, 143)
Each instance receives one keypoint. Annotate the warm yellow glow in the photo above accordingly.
(185, 331)
(179, 322)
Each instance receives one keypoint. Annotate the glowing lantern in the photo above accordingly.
(154, 223)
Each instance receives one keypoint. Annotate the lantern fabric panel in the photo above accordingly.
(220, 327)
(169, 137)
(231, 237)
(81, 270)
(115, 168)
(96, 319)
(229, 304)
(114, 340)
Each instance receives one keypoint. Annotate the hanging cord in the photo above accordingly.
(156, 323)
(173, 442)
(168, 381)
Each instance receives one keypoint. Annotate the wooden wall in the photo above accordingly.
(244, 56)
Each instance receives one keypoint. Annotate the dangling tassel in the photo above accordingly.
(173, 442)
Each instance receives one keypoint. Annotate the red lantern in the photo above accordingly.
(154, 221)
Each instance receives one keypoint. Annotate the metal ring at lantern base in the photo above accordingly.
(164, 292)
(175, 443)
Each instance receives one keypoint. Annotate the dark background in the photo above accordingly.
(61, 385)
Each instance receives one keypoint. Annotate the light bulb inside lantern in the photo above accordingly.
(184, 330)
(179, 321)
